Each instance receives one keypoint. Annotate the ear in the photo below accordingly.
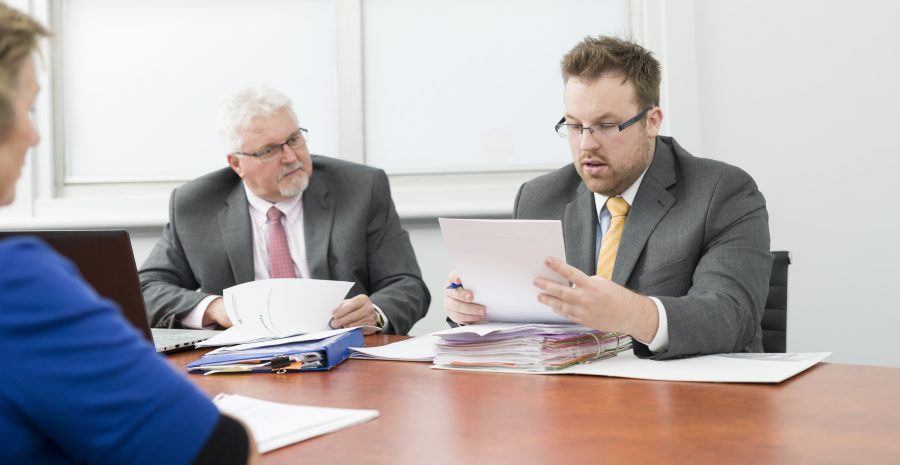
(654, 121)
(235, 163)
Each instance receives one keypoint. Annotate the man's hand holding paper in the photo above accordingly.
(578, 302)
(275, 308)
(216, 314)
(356, 311)
(460, 303)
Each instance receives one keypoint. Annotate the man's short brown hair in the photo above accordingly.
(19, 35)
(595, 57)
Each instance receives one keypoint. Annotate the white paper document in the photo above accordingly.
(417, 349)
(719, 368)
(276, 425)
(277, 308)
(315, 336)
(498, 260)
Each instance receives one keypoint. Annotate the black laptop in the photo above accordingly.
(106, 261)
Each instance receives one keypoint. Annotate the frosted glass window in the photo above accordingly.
(143, 81)
(471, 85)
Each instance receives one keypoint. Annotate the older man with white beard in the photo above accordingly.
(267, 216)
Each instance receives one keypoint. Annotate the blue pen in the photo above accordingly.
(454, 286)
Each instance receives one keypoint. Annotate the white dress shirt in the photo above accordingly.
(660, 341)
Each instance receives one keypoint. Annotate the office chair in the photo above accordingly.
(774, 321)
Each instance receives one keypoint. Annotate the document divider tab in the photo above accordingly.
(323, 354)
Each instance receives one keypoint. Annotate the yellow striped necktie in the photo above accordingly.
(606, 259)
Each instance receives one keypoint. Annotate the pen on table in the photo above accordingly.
(454, 285)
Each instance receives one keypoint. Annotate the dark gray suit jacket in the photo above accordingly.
(697, 238)
(351, 228)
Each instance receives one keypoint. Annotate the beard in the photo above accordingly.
(620, 177)
(296, 184)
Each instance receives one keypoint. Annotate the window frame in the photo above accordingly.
(48, 199)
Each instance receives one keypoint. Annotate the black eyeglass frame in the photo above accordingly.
(303, 132)
(622, 126)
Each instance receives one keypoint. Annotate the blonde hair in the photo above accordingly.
(19, 35)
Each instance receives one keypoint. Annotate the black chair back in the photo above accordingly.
(774, 321)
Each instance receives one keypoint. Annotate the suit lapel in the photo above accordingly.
(318, 218)
(234, 222)
(650, 205)
(580, 230)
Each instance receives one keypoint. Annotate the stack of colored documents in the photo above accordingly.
(525, 347)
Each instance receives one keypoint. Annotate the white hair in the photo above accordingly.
(242, 107)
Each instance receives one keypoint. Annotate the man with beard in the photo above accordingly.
(661, 245)
(267, 216)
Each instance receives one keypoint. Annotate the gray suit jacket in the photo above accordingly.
(697, 238)
(351, 228)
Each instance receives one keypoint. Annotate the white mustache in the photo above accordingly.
(290, 168)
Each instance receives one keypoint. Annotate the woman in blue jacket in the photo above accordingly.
(78, 383)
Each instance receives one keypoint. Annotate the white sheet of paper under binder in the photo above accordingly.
(498, 260)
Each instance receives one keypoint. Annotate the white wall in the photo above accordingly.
(804, 95)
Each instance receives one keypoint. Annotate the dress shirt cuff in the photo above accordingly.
(194, 318)
(660, 342)
(384, 318)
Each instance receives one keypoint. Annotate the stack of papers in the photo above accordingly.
(276, 425)
(524, 347)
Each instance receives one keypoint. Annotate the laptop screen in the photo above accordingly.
(106, 262)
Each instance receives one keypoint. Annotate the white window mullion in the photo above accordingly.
(349, 71)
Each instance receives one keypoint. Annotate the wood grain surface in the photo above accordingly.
(832, 413)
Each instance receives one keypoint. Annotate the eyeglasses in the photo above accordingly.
(270, 152)
(566, 130)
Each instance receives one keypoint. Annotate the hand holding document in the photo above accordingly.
(276, 425)
(498, 260)
(276, 308)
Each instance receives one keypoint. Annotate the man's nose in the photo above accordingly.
(288, 155)
(587, 141)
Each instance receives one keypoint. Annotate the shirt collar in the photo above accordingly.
(261, 206)
(628, 195)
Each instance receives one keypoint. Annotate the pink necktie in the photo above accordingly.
(280, 263)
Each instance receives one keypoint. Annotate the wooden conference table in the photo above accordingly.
(832, 413)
